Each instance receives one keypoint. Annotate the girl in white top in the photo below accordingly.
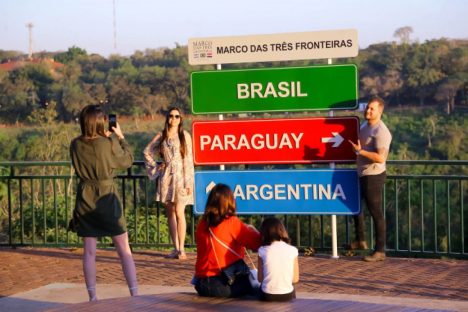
(278, 266)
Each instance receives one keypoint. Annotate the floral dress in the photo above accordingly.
(177, 174)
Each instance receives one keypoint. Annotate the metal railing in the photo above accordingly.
(425, 213)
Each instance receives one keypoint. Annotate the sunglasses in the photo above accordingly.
(174, 116)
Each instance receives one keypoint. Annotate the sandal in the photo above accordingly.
(173, 255)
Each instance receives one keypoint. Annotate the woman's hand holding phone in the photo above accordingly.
(118, 132)
(115, 127)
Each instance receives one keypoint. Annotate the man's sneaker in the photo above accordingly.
(358, 245)
(376, 256)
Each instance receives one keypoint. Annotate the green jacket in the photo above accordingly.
(98, 210)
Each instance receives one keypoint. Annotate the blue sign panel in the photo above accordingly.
(327, 191)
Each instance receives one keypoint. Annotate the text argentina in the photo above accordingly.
(301, 191)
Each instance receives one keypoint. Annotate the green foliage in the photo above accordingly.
(71, 55)
(426, 134)
(417, 134)
(148, 82)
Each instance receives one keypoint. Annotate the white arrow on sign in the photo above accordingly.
(336, 139)
(209, 187)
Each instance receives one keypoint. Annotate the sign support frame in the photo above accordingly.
(220, 116)
(333, 217)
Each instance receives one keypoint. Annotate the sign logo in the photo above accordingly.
(202, 49)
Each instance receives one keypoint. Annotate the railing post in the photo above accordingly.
(135, 210)
(408, 186)
(145, 185)
(421, 195)
(10, 218)
(434, 189)
(33, 231)
(44, 212)
(462, 218)
(449, 223)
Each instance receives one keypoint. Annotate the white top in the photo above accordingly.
(278, 267)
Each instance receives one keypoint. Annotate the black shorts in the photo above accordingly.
(277, 297)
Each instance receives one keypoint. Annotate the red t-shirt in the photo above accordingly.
(232, 232)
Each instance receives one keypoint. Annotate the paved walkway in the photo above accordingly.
(36, 279)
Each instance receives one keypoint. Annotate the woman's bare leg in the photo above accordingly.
(126, 259)
(172, 222)
(89, 266)
(181, 228)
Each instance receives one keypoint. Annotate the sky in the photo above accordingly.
(152, 24)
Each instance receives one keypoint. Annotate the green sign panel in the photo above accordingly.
(329, 87)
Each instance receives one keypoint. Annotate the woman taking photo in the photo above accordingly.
(218, 229)
(96, 155)
(175, 187)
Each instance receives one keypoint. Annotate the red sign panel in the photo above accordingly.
(275, 141)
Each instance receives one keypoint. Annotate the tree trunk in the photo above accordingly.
(429, 140)
(452, 104)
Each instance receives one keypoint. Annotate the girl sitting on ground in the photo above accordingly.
(218, 229)
(278, 266)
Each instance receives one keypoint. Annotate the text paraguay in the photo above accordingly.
(257, 141)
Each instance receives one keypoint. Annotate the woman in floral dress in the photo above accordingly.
(175, 188)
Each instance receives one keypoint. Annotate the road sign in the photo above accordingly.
(275, 89)
(284, 191)
(274, 47)
(275, 141)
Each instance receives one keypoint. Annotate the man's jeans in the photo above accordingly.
(371, 191)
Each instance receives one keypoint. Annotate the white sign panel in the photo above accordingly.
(274, 47)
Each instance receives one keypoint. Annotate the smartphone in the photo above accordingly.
(112, 122)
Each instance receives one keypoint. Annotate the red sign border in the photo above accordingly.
(279, 162)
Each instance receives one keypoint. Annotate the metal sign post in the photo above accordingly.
(333, 217)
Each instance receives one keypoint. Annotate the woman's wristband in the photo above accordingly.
(358, 152)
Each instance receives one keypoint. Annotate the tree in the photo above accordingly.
(73, 54)
(70, 93)
(371, 85)
(153, 104)
(447, 91)
(54, 140)
(423, 71)
(177, 83)
(17, 97)
(6, 56)
(404, 34)
(430, 127)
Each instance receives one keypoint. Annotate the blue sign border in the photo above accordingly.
(329, 191)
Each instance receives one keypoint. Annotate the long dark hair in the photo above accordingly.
(220, 205)
(92, 121)
(180, 132)
(272, 229)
